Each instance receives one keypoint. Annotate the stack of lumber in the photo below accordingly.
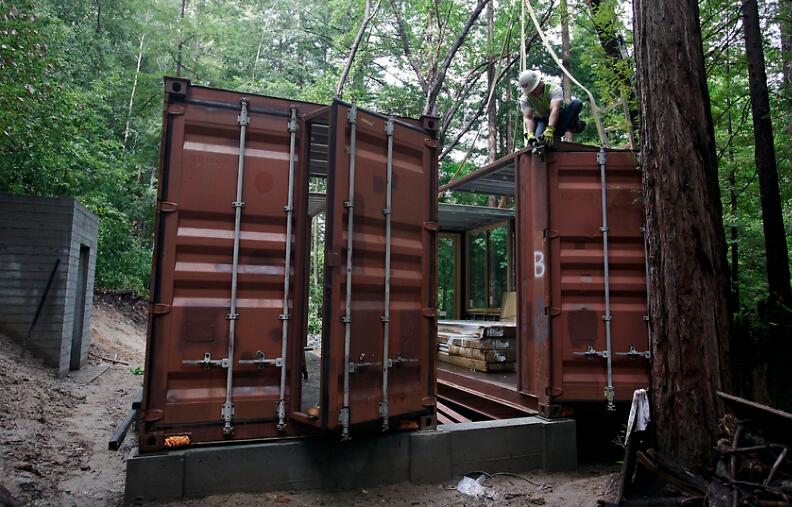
(477, 345)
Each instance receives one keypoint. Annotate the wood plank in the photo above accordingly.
(473, 364)
(484, 354)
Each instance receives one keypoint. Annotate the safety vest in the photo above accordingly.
(541, 105)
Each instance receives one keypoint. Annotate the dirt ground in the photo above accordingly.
(54, 434)
(581, 488)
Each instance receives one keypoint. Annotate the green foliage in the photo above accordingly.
(67, 70)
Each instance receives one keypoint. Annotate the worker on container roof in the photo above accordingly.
(544, 114)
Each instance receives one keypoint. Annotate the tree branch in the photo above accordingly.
(480, 109)
(437, 80)
(400, 28)
(368, 15)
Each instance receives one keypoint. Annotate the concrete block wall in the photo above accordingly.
(509, 445)
(34, 233)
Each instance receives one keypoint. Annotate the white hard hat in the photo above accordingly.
(529, 80)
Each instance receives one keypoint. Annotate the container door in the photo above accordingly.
(580, 315)
(379, 283)
(223, 265)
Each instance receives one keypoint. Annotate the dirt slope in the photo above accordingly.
(54, 432)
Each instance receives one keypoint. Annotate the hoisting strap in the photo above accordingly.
(594, 109)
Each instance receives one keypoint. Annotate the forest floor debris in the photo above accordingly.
(752, 465)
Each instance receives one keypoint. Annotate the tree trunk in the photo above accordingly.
(772, 218)
(98, 16)
(688, 274)
(786, 61)
(258, 55)
(492, 121)
(180, 52)
(565, 50)
(509, 141)
(367, 15)
(132, 94)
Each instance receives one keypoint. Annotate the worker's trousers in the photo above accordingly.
(567, 119)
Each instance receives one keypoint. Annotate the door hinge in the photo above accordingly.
(551, 234)
(553, 391)
(552, 311)
(167, 207)
(176, 110)
(332, 259)
(430, 312)
(152, 415)
(160, 308)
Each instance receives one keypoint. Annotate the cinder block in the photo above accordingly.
(430, 457)
(318, 463)
(155, 478)
(508, 445)
(433, 456)
(560, 442)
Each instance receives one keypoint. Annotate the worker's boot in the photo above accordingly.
(580, 126)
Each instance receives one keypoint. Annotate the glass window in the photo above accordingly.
(447, 277)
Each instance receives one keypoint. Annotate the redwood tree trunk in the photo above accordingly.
(764, 152)
(688, 273)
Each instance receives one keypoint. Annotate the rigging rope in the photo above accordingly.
(594, 109)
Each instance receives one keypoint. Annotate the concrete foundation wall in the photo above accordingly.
(515, 445)
(36, 232)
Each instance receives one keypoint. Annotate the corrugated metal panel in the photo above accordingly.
(578, 286)
(560, 272)
(193, 263)
(412, 283)
(562, 297)
(460, 217)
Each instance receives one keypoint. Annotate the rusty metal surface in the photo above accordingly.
(192, 264)
(413, 281)
(561, 282)
(578, 286)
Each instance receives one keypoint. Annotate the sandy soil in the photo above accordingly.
(54, 434)
(562, 490)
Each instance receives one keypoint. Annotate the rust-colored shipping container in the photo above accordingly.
(228, 319)
(581, 283)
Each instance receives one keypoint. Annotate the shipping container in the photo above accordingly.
(579, 250)
(229, 292)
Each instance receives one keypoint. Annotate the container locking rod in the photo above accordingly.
(227, 410)
(289, 208)
(387, 212)
(343, 415)
(610, 392)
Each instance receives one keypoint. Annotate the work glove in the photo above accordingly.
(530, 139)
(548, 135)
